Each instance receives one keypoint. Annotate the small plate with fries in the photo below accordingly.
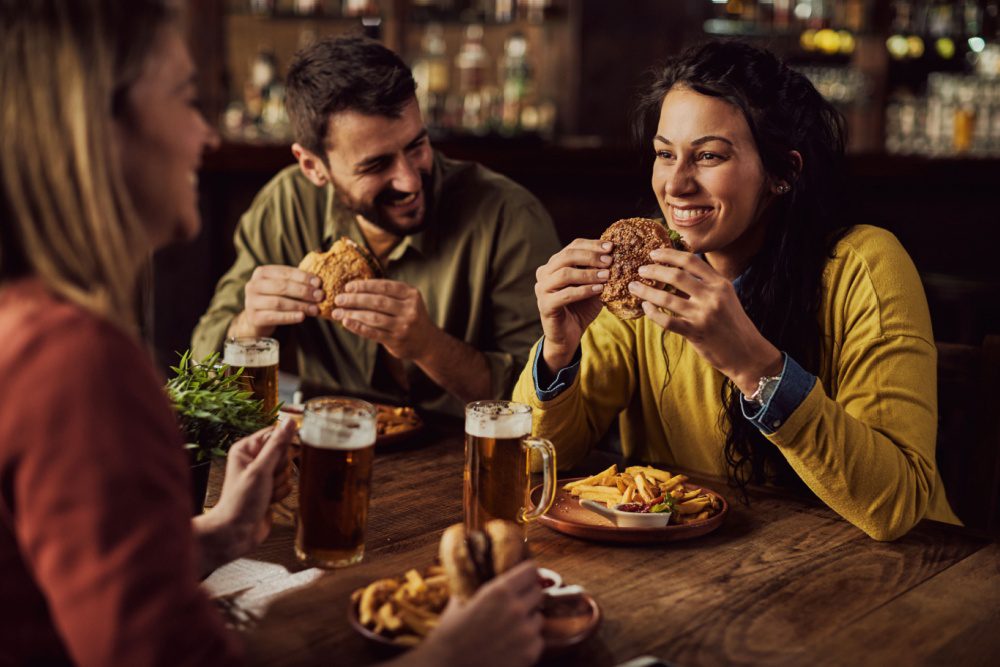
(401, 611)
(694, 509)
(394, 423)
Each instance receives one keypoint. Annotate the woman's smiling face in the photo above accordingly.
(708, 177)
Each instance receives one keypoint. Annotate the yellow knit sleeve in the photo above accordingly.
(578, 417)
(863, 439)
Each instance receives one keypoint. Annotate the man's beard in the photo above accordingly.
(372, 212)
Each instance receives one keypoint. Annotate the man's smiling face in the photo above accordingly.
(380, 167)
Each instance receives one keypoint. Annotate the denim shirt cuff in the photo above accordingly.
(564, 378)
(793, 387)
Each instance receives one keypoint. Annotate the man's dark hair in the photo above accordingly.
(781, 289)
(343, 73)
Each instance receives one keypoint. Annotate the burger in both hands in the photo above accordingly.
(343, 262)
(634, 239)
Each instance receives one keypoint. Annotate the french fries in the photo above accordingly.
(405, 609)
(390, 419)
(646, 484)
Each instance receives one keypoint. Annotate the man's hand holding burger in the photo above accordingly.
(393, 314)
(388, 312)
(274, 296)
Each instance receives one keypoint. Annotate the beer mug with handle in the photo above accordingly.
(338, 448)
(498, 448)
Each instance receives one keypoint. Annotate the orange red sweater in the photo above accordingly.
(97, 558)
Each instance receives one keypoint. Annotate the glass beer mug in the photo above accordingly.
(335, 473)
(498, 447)
(259, 359)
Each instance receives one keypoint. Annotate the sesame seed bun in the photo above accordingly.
(634, 239)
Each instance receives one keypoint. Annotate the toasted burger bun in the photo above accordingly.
(343, 262)
(471, 559)
(634, 239)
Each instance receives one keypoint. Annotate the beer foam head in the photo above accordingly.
(498, 419)
(252, 352)
(331, 423)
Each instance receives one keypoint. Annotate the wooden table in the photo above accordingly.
(782, 582)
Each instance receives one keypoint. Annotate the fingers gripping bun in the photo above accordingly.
(343, 262)
(471, 559)
(457, 562)
(634, 239)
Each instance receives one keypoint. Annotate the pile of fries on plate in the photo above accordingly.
(390, 419)
(645, 485)
(403, 610)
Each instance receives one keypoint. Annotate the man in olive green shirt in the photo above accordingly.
(455, 315)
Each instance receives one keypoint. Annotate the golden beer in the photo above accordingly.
(497, 475)
(259, 359)
(335, 472)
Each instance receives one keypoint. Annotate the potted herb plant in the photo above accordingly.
(214, 410)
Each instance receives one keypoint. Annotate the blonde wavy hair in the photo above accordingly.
(65, 214)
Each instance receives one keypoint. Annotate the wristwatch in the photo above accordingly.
(766, 387)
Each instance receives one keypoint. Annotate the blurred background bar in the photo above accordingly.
(542, 90)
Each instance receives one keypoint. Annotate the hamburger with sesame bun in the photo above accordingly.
(634, 239)
(343, 262)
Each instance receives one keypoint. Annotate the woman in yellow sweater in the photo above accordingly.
(803, 350)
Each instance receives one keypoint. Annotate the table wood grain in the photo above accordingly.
(784, 581)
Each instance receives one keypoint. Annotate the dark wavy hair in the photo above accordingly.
(343, 73)
(781, 289)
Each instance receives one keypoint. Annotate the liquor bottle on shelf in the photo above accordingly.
(478, 98)
(360, 8)
(261, 112)
(431, 73)
(504, 11)
(261, 7)
(307, 7)
(516, 79)
(533, 11)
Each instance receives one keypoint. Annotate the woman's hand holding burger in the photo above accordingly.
(709, 315)
(568, 289)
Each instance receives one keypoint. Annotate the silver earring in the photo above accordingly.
(784, 189)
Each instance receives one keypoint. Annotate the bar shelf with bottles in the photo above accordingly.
(945, 60)
(485, 69)
(918, 77)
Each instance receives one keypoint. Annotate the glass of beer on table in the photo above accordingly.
(335, 473)
(498, 454)
(259, 359)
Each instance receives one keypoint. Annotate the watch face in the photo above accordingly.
(768, 387)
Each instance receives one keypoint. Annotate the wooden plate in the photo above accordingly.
(566, 516)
